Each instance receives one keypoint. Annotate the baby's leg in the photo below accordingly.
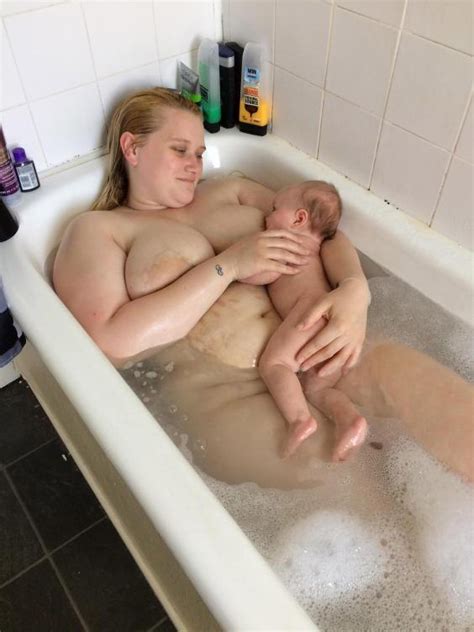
(350, 426)
(285, 388)
(278, 369)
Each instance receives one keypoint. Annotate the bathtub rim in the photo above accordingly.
(20, 276)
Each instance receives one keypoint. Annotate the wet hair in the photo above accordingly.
(141, 113)
(324, 205)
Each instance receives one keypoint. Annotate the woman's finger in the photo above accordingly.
(311, 317)
(336, 363)
(291, 241)
(326, 336)
(281, 254)
(323, 354)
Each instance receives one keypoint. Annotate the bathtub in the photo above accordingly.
(201, 566)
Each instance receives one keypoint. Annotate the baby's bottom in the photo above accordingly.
(350, 426)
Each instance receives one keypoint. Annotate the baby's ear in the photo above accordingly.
(301, 217)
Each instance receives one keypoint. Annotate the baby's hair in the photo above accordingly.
(323, 202)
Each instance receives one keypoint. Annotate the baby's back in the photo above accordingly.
(288, 289)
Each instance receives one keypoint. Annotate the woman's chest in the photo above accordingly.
(159, 252)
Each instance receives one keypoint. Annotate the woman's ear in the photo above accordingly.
(129, 148)
(301, 217)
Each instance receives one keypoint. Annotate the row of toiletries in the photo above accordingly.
(231, 86)
(16, 175)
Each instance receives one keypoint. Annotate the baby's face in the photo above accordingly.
(285, 206)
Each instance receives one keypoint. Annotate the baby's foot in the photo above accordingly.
(298, 432)
(349, 438)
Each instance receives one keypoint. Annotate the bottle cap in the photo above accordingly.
(19, 154)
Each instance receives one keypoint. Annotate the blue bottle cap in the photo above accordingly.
(19, 154)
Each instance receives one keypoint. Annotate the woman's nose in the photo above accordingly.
(193, 164)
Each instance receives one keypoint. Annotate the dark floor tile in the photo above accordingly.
(23, 424)
(106, 584)
(36, 601)
(19, 546)
(55, 493)
(165, 626)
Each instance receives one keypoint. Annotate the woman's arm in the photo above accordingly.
(345, 308)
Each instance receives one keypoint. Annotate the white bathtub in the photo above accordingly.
(200, 564)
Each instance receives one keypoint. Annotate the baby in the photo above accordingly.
(313, 208)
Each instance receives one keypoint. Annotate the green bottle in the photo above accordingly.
(208, 64)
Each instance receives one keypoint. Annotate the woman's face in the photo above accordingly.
(169, 164)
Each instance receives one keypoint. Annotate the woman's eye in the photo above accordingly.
(199, 156)
(180, 150)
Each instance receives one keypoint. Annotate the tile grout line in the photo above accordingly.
(27, 101)
(23, 456)
(23, 572)
(156, 625)
(387, 95)
(48, 556)
(451, 159)
(326, 71)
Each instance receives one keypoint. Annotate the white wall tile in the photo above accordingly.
(445, 21)
(10, 7)
(123, 42)
(302, 31)
(454, 216)
(180, 26)
(466, 140)
(348, 139)
(253, 21)
(113, 89)
(66, 129)
(20, 131)
(169, 68)
(11, 91)
(51, 49)
(430, 89)
(360, 60)
(388, 11)
(408, 172)
(299, 126)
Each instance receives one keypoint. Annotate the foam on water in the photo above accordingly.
(384, 542)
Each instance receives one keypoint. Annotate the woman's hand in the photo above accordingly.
(277, 251)
(339, 343)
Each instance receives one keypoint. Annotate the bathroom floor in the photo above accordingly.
(63, 566)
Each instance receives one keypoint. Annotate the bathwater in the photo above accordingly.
(383, 542)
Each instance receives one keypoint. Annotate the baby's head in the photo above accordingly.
(314, 206)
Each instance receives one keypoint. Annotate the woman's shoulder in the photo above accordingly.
(95, 220)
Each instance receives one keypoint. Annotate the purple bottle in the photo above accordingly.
(9, 185)
(25, 170)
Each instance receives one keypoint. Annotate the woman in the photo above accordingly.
(159, 266)
(171, 246)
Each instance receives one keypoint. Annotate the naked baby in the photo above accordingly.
(314, 209)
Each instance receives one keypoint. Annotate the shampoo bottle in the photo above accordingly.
(238, 52)
(227, 84)
(208, 62)
(254, 110)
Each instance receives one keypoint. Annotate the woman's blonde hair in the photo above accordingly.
(141, 113)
